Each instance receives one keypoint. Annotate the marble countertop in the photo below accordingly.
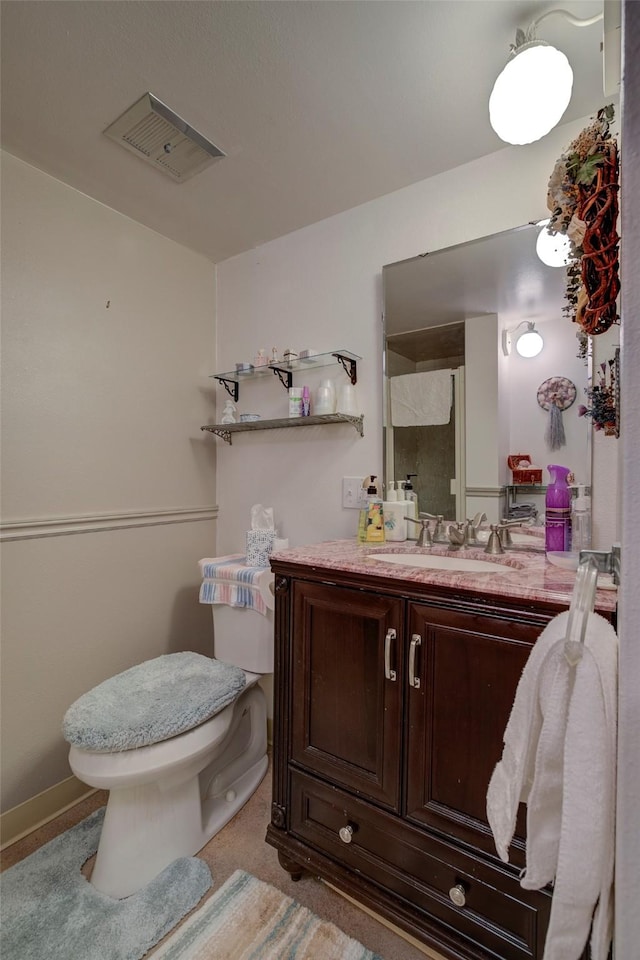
(520, 573)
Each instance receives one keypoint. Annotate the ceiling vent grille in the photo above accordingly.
(158, 135)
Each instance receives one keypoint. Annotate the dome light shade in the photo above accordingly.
(554, 249)
(531, 94)
(530, 343)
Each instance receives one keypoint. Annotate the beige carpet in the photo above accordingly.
(240, 846)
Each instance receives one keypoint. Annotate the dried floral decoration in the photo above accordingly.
(603, 399)
(583, 199)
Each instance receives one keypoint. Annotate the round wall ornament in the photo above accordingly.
(559, 392)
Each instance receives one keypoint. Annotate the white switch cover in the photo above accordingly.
(353, 494)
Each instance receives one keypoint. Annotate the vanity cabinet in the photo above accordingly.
(390, 705)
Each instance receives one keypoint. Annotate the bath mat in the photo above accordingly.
(48, 908)
(247, 919)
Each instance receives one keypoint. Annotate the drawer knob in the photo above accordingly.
(346, 833)
(458, 895)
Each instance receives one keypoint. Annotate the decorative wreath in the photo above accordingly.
(558, 392)
(583, 199)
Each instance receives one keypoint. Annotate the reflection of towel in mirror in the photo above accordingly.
(421, 399)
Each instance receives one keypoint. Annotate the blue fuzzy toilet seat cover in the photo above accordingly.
(152, 701)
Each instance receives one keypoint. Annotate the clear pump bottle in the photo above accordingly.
(581, 521)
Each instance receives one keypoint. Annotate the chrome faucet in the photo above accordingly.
(473, 527)
(458, 534)
(424, 537)
(505, 533)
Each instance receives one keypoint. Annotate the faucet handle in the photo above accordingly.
(424, 537)
(494, 543)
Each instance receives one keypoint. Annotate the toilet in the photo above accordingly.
(180, 743)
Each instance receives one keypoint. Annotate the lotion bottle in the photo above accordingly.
(581, 521)
(412, 506)
(410, 528)
(395, 516)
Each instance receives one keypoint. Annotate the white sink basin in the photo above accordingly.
(437, 562)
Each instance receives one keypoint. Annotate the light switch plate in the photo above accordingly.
(353, 494)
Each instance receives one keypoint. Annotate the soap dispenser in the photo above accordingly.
(371, 520)
(412, 505)
(557, 511)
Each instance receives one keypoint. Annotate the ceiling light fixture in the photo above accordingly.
(554, 249)
(528, 344)
(534, 89)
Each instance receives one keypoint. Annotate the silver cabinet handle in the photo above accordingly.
(458, 895)
(346, 833)
(416, 641)
(388, 672)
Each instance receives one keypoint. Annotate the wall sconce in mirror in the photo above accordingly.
(528, 344)
(554, 249)
(534, 89)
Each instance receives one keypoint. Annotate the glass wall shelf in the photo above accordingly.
(226, 430)
(285, 370)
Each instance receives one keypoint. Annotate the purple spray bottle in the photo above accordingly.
(558, 510)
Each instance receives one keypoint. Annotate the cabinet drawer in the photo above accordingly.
(495, 913)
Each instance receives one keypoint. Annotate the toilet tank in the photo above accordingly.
(243, 637)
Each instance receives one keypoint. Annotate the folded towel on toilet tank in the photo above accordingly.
(229, 580)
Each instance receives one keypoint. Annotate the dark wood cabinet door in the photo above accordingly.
(468, 667)
(347, 680)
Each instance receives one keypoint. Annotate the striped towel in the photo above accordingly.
(229, 580)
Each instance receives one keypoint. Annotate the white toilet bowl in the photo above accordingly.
(167, 799)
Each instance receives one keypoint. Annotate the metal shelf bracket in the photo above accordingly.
(349, 366)
(231, 386)
(284, 376)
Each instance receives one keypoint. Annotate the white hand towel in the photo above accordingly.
(559, 758)
(513, 776)
(584, 878)
(421, 399)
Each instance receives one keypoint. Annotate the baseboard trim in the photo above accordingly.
(37, 527)
(428, 952)
(28, 816)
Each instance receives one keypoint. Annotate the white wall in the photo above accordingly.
(108, 484)
(322, 287)
(627, 918)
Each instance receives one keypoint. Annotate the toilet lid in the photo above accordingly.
(152, 701)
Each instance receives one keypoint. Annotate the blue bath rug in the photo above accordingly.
(49, 910)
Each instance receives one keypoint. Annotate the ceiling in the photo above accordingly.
(319, 105)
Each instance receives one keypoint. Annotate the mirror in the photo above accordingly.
(457, 405)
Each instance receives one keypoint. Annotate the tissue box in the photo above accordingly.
(521, 472)
(259, 546)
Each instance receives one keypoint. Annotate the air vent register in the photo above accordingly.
(158, 135)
